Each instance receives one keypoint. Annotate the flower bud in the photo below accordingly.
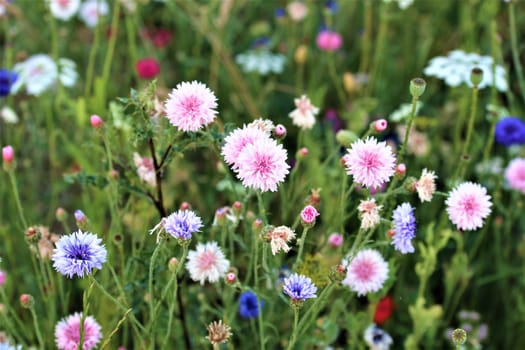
(185, 206)
(401, 170)
(308, 215)
(338, 273)
(237, 208)
(349, 82)
(257, 226)
(27, 301)
(302, 152)
(8, 154)
(81, 219)
(300, 54)
(391, 233)
(33, 235)
(172, 264)
(96, 121)
(459, 336)
(3, 276)
(335, 240)
(279, 132)
(380, 125)
(345, 137)
(220, 216)
(417, 87)
(476, 76)
(230, 278)
(61, 214)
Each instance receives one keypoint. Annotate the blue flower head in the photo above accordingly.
(7, 79)
(182, 224)
(299, 287)
(510, 131)
(405, 227)
(280, 12)
(249, 305)
(78, 254)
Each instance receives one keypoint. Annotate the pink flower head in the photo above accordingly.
(190, 106)
(147, 68)
(262, 165)
(335, 240)
(308, 215)
(8, 154)
(380, 125)
(279, 131)
(145, 169)
(3, 276)
(515, 174)
(467, 205)
(235, 142)
(371, 163)
(96, 121)
(367, 272)
(426, 185)
(328, 40)
(207, 262)
(67, 333)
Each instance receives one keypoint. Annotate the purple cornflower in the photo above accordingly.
(7, 79)
(405, 227)
(249, 305)
(182, 223)
(510, 131)
(78, 253)
(299, 287)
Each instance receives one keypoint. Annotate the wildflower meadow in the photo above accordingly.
(262, 174)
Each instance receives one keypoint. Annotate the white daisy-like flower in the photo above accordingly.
(261, 61)
(304, 114)
(207, 262)
(426, 185)
(367, 272)
(279, 238)
(92, 10)
(403, 4)
(64, 9)
(369, 213)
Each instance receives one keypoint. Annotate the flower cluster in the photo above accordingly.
(261, 61)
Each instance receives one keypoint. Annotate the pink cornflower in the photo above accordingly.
(304, 114)
(371, 163)
(515, 174)
(235, 142)
(467, 205)
(369, 213)
(426, 185)
(190, 106)
(147, 68)
(8, 154)
(67, 333)
(207, 262)
(367, 272)
(308, 215)
(328, 40)
(279, 237)
(145, 169)
(262, 165)
(335, 240)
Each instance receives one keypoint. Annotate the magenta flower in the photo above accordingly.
(371, 163)
(367, 272)
(190, 106)
(3, 276)
(515, 174)
(308, 215)
(262, 165)
(235, 142)
(328, 40)
(67, 333)
(8, 154)
(467, 205)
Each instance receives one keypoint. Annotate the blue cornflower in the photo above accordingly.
(7, 78)
(405, 227)
(181, 224)
(249, 305)
(510, 131)
(299, 287)
(376, 338)
(78, 253)
(332, 6)
(280, 12)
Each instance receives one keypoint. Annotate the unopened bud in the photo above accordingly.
(459, 336)
(8, 154)
(417, 87)
(32, 235)
(237, 208)
(220, 216)
(61, 214)
(3, 276)
(476, 76)
(380, 125)
(172, 264)
(96, 121)
(303, 152)
(391, 233)
(401, 170)
(185, 206)
(338, 273)
(257, 226)
(300, 54)
(113, 174)
(335, 240)
(27, 301)
(231, 278)
(345, 137)
(308, 215)
(279, 132)
(81, 219)
(349, 82)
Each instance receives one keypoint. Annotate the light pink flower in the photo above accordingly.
(279, 237)
(335, 240)
(67, 333)
(467, 205)
(207, 262)
(371, 163)
(235, 142)
(369, 213)
(515, 174)
(96, 121)
(64, 9)
(92, 10)
(8, 154)
(190, 106)
(426, 185)
(297, 10)
(145, 169)
(308, 214)
(262, 165)
(367, 272)
(304, 114)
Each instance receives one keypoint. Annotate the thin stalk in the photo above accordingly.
(91, 61)
(314, 309)
(403, 149)
(336, 79)
(514, 48)
(12, 179)
(150, 280)
(293, 338)
(108, 59)
(85, 309)
(117, 327)
(301, 245)
(464, 155)
(159, 201)
(37, 328)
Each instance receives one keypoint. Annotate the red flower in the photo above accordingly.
(147, 68)
(161, 38)
(383, 310)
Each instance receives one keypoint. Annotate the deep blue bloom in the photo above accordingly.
(181, 224)
(260, 42)
(249, 305)
(299, 287)
(78, 254)
(405, 227)
(7, 79)
(332, 6)
(280, 12)
(510, 131)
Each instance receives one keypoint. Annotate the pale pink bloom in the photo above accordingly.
(426, 185)
(235, 142)
(67, 333)
(304, 114)
(515, 174)
(190, 106)
(297, 10)
(467, 205)
(367, 272)
(369, 213)
(335, 240)
(207, 262)
(262, 165)
(64, 9)
(265, 125)
(92, 10)
(308, 214)
(371, 163)
(145, 169)
(279, 237)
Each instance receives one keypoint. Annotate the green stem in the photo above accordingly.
(336, 79)
(464, 155)
(314, 309)
(150, 281)
(293, 338)
(515, 50)
(117, 327)
(403, 149)
(91, 61)
(261, 325)
(37, 328)
(301, 245)
(85, 309)
(12, 179)
(111, 45)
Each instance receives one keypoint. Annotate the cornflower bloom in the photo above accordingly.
(279, 237)
(377, 339)
(304, 114)
(308, 215)
(299, 288)
(405, 227)
(235, 142)
(64, 9)
(182, 224)
(510, 131)
(467, 205)
(328, 40)
(366, 272)
(369, 213)
(426, 185)
(67, 333)
(335, 240)
(207, 262)
(92, 10)
(218, 332)
(249, 305)
(515, 174)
